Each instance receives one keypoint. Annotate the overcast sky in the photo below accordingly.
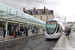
(62, 8)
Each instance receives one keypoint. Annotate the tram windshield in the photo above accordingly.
(51, 27)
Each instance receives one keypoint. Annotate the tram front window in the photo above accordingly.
(50, 27)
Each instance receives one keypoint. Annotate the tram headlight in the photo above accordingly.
(47, 34)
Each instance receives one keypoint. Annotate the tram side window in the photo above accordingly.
(57, 29)
(60, 28)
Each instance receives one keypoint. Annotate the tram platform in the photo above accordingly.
(65, 43)
(10, 38)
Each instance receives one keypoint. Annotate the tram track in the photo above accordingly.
(43, 42)
(16, 45)
(37, 45)
(22, 44)
(51, 45)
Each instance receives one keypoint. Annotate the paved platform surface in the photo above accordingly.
(8, 38)
(65, 43)
(70, 41)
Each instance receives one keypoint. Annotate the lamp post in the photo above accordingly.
(65, 19)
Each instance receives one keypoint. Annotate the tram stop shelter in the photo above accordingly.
(10, 16)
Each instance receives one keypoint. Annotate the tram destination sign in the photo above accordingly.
(50, 22)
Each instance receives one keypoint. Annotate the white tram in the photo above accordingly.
(54, 29)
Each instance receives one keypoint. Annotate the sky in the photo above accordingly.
(62, 8)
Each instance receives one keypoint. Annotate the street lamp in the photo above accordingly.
(65, 19)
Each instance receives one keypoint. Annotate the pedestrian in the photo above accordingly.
(36, 30)
(22, 31)
(26, 31)
(18, 30)
(43, 30)
(15, 31)
(68, 32)
(32, 31)
(4, 30)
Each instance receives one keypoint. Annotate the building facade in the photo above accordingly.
(43, 14)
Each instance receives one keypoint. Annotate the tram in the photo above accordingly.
(54, 29)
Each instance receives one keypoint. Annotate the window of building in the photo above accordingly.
(47, 17)
(51, 12)
(30, 12)
(25, 12)
(41, 17)
(34, 16)
(43, 12)
(36, 12)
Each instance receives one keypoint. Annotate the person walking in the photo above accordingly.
(4, 32)
(68, 32)
(26, 31)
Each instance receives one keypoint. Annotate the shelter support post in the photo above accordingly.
(23, 25)
(27, 25)
(19, 24)
(6, 27)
